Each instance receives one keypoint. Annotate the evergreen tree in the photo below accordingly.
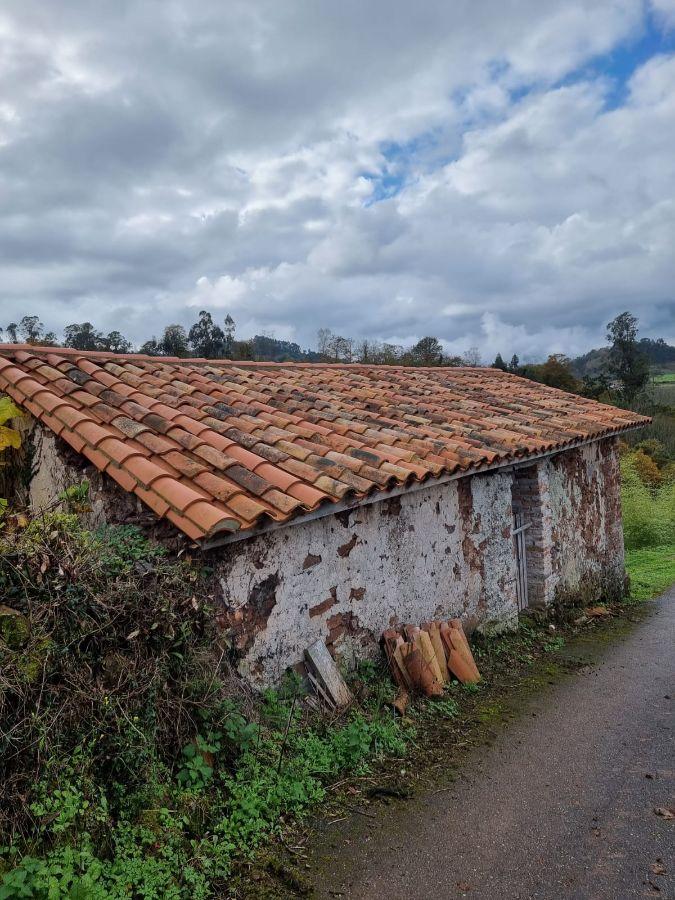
(31, 329)
(151, 348)
(82, 337)
(230, 328)
(627, 364)
(428, 351)
(116, 342)
(206, 338)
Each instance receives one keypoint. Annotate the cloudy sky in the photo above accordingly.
(499, 174)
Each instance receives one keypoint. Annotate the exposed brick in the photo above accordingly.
(325, 605)
(345, 549)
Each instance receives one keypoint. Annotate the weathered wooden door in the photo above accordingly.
(520, 526)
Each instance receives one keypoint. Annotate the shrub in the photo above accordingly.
(132, 762)
(655, 450)
(648, 514)
(646, 468)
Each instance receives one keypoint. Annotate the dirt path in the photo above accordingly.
(562, 805)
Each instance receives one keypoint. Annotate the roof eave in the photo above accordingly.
(332, 509)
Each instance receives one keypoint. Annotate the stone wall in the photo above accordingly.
(575, 540)
(46, 466)
(443, 551)
(584, 499)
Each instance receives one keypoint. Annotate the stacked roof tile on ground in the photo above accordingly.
(219, 446)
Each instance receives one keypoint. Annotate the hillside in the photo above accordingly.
(661, 357)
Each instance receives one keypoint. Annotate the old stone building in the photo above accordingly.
(334, 500)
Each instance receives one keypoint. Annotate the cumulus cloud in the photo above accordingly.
(386, 170)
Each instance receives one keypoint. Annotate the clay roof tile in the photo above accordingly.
(216, 446)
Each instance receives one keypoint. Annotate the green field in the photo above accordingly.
(664, 392)
(651, 570)
(665, 378)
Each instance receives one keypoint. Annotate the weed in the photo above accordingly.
(445, 708)
(196, 770)
(554, 643)
(153, 771)
(76, 496)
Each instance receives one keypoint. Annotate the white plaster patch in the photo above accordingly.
(346, 578)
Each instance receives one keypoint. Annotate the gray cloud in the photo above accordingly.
(155, 159)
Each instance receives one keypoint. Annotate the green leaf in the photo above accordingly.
(8, 410)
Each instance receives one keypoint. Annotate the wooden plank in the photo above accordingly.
(520, 527)
(323, 671)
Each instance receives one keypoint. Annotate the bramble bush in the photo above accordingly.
(132, 761)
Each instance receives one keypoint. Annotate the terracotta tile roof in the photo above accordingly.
(217, 446)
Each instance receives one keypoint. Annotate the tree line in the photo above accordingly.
(622, 370)
(208, 339)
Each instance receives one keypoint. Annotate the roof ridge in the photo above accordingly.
(9, 350)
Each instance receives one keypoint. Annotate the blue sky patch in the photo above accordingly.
(619, 65)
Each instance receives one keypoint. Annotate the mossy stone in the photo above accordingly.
(33, 662)
(14, 628)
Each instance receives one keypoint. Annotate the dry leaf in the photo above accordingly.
(597, 612)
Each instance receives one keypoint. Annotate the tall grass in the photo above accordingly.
(648, 514)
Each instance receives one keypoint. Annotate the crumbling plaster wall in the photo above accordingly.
(54, 467)
(582, 496)
(443, 551)
(572, 501)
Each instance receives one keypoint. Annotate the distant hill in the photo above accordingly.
(658, 352)
(270, 349)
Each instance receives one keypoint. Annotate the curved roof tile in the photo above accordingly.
(217, 446)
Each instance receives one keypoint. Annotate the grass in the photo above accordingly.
(666, 378)
(651, 570)
(664, 393)
(648, 520)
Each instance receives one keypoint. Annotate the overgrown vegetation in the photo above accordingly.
(651, 571)
(648, 496)
(131, 763)
(648, 500)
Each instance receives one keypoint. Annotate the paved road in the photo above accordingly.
(560, 806)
